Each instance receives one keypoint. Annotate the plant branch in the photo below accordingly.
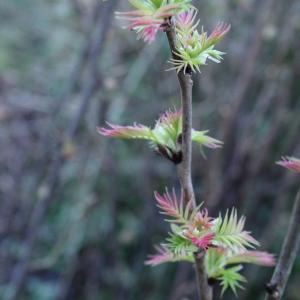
(186, 85)
(289, 250)
(184, 168)
(205, 291)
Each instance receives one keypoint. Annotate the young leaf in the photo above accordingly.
(148, 16)
(214, 261)
(180, 246)
(165, 137)
(291, 163)
(137, 131)
(164, 255)
(253, 257)
(204, 241)
(231, 278)
(230, 232)
(201, 138)
(174, 208)
(193, 49)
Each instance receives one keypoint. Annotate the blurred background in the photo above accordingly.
(77, 214)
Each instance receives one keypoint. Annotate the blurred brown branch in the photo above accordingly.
(290, 248)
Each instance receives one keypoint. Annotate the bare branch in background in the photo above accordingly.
(289, 251)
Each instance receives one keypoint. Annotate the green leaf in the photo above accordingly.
(137, 131)
(164, 255)
(214, 262)
(201, 138)
(230, 278)
(251, 257)
(180, 246)
(230, 232)
(175, 209)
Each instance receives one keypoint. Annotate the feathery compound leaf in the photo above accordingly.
(204, 241)
(230, 232)
(164, 255)
(253, 257)
(231, 278)
(217, 34)
(291, 163)
(194, 49)
(174, 208)
(167, 129)
(170, 206)
(148, 16)
(202, 221)
(201, 138)
(164, 138)
(223, 239)
(137, 131)
(217, 261)
(180, 246)
(214, 261)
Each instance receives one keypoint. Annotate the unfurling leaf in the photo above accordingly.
(223, 240)
(230, 232)
(165, 137)
(149, 16)
(194, 49)
(291, 163)
(231, 278)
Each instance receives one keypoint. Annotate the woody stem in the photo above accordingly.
(184, 168)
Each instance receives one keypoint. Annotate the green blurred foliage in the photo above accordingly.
(101, 222)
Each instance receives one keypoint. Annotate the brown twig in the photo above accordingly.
(184, 168)
(205, 291)
(289, 250)
(186, 85)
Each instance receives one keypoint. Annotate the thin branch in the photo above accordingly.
(186, 85)
(184, 168)
(205, 291)
(289, 250)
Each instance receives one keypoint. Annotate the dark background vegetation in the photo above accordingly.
(77, 214)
